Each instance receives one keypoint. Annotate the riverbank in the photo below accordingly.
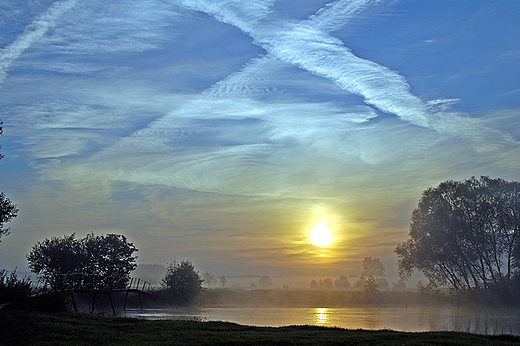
(29, 328)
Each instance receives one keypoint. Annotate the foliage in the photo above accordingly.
(182, 282)
(466, 234)
(372, 267)
(223, 281)
(8, 210)
(311, 298)
(265, 282)
(400, 285)
(109, 258)
(209, 279)
(358, 285)
(104, 260)
(21, 328)
(342, 282)
(314, 284)
(326, 284)
(14, 290)
(370, 286)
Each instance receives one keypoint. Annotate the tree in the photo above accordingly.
(105, 260)
(466, 235)
(400, 285)
(314, 285)
(372, 267)
(265, 282)
(209, 279)
(342, 282)
(223, 281)
(370, 287)
(382, 284)
(182, 281)
(8, 210)
(359, 284)
(109, 258)
(326, 283)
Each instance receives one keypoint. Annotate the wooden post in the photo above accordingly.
(126, 298)
(73, 301)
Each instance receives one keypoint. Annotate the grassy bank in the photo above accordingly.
(25, 328)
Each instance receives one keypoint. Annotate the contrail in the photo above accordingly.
(308, 45)
(32, 33)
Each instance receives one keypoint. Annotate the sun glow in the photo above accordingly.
(321, 235)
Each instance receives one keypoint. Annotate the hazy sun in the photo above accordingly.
(321, 235)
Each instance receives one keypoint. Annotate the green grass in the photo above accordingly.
(26, 328)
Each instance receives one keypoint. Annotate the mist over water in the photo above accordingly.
(402, 318)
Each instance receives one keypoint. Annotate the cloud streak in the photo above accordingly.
(307, 44)
(208, 133)
(32, 33)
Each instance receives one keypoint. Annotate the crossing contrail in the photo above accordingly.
(31, 34)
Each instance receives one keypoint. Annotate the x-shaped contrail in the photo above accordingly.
(309, 45)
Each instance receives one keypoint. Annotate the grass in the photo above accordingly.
(29, 328)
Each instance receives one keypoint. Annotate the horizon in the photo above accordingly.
(224, 132)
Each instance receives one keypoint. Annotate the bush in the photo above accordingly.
(14, 291)
(181, 283)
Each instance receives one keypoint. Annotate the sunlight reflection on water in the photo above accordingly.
(321, 316)
(411, 319)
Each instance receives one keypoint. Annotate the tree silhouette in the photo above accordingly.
(265, 282)
(223, 281)
(372, 267)
(208, 278)
(342, 282)
(466, 235)
(326, 283)
(182, 282)
(106, 260)
(314, 285)
(8, 210)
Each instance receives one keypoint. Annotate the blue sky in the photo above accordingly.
(223, 131)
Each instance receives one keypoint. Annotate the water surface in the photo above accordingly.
(401, 318)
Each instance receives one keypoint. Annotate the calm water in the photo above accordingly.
(411, 319)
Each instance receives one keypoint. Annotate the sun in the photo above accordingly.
(321, 235)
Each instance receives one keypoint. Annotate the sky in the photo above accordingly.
(224, 131)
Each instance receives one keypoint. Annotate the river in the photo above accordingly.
(401, 318)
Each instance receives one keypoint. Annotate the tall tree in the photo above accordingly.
(8, 210)
(465, 234)
(104, 260)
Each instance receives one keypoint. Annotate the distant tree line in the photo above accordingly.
(466, 235)
(372, 278)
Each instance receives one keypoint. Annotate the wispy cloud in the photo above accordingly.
(32, 33)
(308, 45)
(241, 123)
(230, 132)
